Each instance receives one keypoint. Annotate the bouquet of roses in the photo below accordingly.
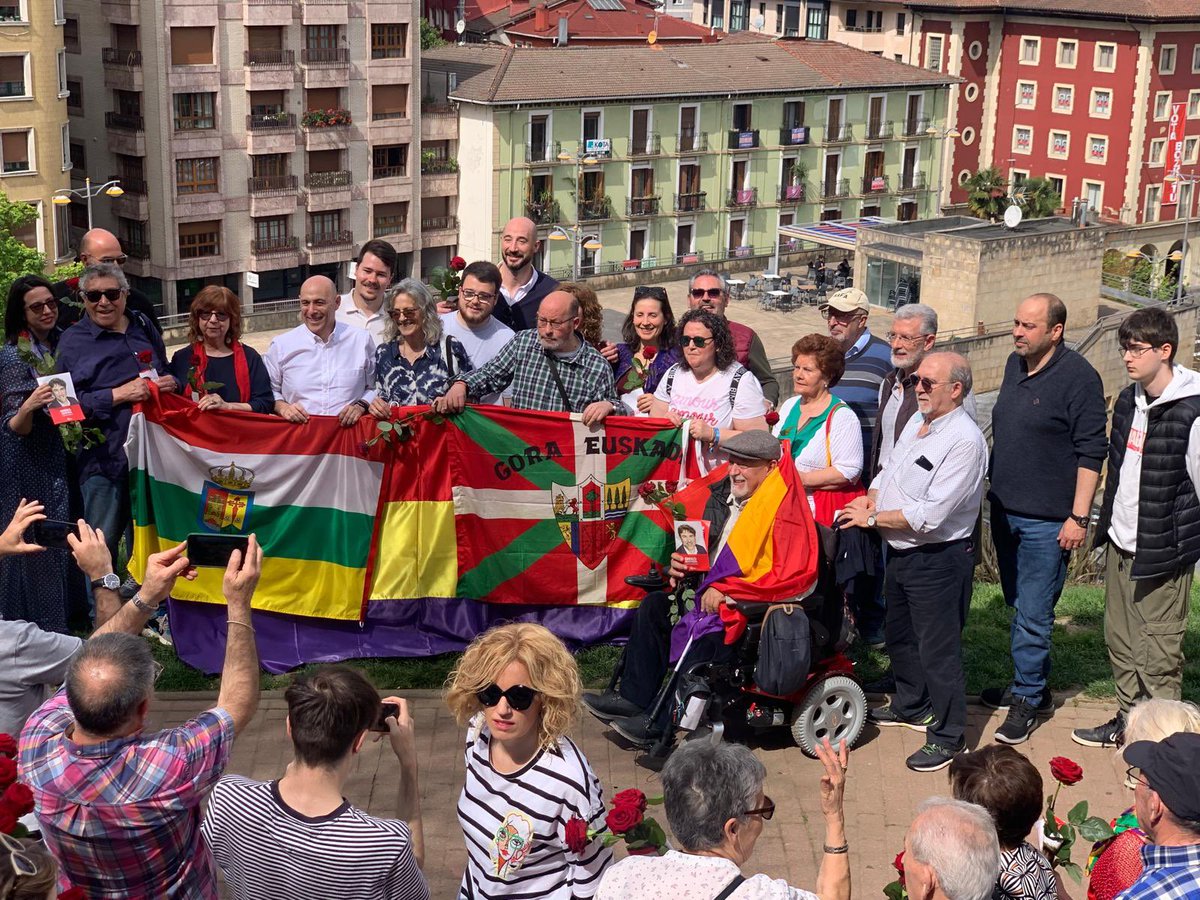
(626, 821)
(1059, 836)
(16, 799)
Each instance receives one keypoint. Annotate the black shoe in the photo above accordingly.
(1001, 698)
(610, 705)
(1110, 734)
(638, 730)
(884, 685)
(885, 716)
(933, 757)
(1019, 723)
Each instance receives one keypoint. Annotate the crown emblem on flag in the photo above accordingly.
(232, 476)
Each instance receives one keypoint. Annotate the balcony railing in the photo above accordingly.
(546, 151)
(438, 164)
(136, 250)
(685, 259)
(641, 206)
(325, 56)
(124, 121)
(329, 239)
(134, 185)
(839, 133)
(595, 209)
(435, 108)
(692, 141)
(743, 198)
(270, 184)
(743, 140)
(879, 130)
(380, 172)
(439, 223)
(792, 193)
(282, 244)
(916, 127)
(864, 29)
(390, 225)
(912, 181)
(793, 136)
(126, 59)
(543, 212)
(324, 181)
(277, 121)
(692, 202)
(645, 145)
(270, 59)
(835, 188)
(875, 184)
(741, 252)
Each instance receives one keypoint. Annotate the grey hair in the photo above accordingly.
(423, 297)
(704, 786)
(960, 369)
(103, 270)
(709, 273)
(927, 315)
(103, 707)
(958, 841)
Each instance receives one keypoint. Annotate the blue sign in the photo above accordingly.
(800, 135)
(745, 140)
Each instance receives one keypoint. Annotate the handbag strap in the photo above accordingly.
(731, 887)
(828, 423)
(562, 391)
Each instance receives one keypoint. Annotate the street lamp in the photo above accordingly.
(942, 135)
(1192, 180)
(111, 188)
(574, 234)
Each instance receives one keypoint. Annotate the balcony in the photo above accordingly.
(123, 69)
(439, 122)
(795, 136)
(439, 231)
(326, 66)
(323, 12)
(328, 247)
(595, 209)
(125, 133)
(122, 12)
(741, 199)
(125, 59)
(743, 140)
(384, 226)
(792, 193)
(835, 189)
(327, 190)
(326, 181)
(389, 184)
(542, 153)
(645, 145)
(390, 128)
(270, 70)
(692, 141)
(133, 204)
(271, 133)
(543, 212)
(879, 130)
(916, 127)
(636, 207)
(693, 202)
(875, 184)
(911, 182)
(272, 253)
(271, 184)
(135, 250)
(440, 184)
(742, 252)
(326, 137)
(267, 12)
(272, 195)
(839, 134)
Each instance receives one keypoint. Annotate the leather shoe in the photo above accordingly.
(610, 705)
(637, 730)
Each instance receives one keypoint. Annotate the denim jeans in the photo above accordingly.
(1033, 568)
(106, 506)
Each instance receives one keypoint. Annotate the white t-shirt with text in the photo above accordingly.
(708, 401)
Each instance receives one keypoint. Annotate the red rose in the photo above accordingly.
(72, 894)
(772, 419)
(622, 818)
(8, 771)
(8, 819)
(898, 863)
(145, 358)
(1065, 771)
(630, 797)
(19, 798)
(458, 264)
(575, 835)
(648, 353)
(671, 486)
(8, 745)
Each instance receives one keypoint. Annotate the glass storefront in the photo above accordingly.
(889, 282)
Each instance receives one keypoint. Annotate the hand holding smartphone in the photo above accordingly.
(386, 711)
(53, 533)
(214, 550)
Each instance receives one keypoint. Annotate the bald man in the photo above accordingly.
(322, 367)
(925, 502)
(100, 246)
(522, 287)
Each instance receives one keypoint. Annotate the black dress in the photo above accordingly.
(220, 370)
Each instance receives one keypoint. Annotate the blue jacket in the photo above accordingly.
(523, 316)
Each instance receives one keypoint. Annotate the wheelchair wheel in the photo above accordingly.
(835, 708)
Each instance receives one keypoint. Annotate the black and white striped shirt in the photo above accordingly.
(514, 824)
(265, 849)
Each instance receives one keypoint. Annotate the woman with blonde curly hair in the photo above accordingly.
(517, 689)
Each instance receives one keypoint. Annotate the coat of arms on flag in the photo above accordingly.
(589, 516)
(225, 503)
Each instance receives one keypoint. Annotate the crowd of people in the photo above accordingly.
(883, 434)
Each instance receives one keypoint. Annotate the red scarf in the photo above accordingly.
(241, 369)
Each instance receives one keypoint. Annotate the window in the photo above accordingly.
(194, 112)
(74, 96)
(62, 232)
(271, 231)
(1066, 53)
(59, 13)
(1162, 106)
(31, 234)
(852, 18)
(191, 46)
(1022, 139)
(65, 146)
(62, 74)
(71, 35)
(132, 172)
(324, 226)
(1150, 210)
(13, 75)
(1064, 98)
(13, 11)
(793, 113)
(901, 24)
(389, 41)
(389, 101)
(816, 25)
(390, 218)
(196, 176)
(779, 18)
(1166, 59)
(590, 120)
(1059, 183)
(16, 152)
(1101, 106)
(1190, 147)
(1031, 50)
(1196, 59)
(389, 161)
(199, 239)
(1027, 94)
(933, 52)
(1193, 107)
(78, 156)
(1097, 148)
(1106, 57)
(1158, 147)
(1060, 144)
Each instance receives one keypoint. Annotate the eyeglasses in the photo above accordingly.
(928, 384)
(766, 810)
(1135, 352)
(212, 314)
(891, 337)
(481, 296)
(403, 314)
(41, 305)
(1132, 779)
(711, 293)
(699, 342)
(519, 696)
(829, 312)
(112, 295)
(552, 323)
(22, 863)
(118, 260)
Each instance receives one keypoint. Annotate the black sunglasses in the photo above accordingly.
(766, 810)
(649, 293)
(700, 342)
(112, 295)
(710, 292)
(519, 696)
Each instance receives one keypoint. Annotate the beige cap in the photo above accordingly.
(847, 300)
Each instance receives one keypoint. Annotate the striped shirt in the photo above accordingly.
(267, 850)
(868, 362)
(514, 824)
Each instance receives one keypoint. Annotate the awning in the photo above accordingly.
(840, 234)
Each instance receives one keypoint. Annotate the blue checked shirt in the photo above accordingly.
(586, 376)
(1170, 873)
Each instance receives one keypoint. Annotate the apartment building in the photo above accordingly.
(882, 27)
(34, 131)
(257, 142)
(684, 154)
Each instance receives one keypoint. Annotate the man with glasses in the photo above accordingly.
(112, 354)
(1047, 449)
(473, 322)
(550, 369)
(362, 307)
(708, 290)
(1150, 519)
(95, 247)
(523, 287)
(924, 503)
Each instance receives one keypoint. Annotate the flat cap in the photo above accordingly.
(847, 300)
(752, 445)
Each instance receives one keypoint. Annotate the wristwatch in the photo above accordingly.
(871, 520)
(1081, 521)
(112, 581)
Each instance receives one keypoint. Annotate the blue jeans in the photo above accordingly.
(1033, 568)
(106, 506)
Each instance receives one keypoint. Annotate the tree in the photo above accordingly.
(1037, 198)
(987, 194)
(430, 36)
(16, 259)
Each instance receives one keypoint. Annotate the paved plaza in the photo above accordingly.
(881, 794)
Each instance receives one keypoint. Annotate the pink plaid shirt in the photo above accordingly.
(123, 817)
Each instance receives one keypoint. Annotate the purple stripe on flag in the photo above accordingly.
(725, 565)
(694, 624)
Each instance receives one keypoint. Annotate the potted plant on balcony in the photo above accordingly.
(797, 173)
(326, 118)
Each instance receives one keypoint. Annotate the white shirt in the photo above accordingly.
(322, 376)
(481, 343)
(708, 401)
(887, 424)
(682, 876)
(844, 451)
(936, 480)
(374, 323)
(519, 294)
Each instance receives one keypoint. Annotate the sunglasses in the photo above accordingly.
(711, 293)
(403, 314)
(212, 314)
(22, 863)
(650, 294)
(41, 305)
(118, 260)
(112, 295)
(766, 810)
(928, 384)
(519, 696)
(699, 342)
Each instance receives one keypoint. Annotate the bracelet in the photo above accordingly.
(845, 848)
(243, 624)
(142, 605)
(716, 438)
(363, 403)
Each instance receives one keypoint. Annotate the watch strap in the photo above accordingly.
(142, 605)
(1081, 521)
(100, 582)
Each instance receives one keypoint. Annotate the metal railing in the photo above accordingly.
(692, 141)
(878, 130)
(378, 173)
(741, 252)
(124, 122)
(136, 250)
(328, 239)
(743, 198)
(279, 121)
(270, 59)
(543, 212)
(645, 145)
(544, 152)
(835, 188)
(691, 202)
(875, 184)
(916, 127)
(270, 184)
(912, 181)
(390, 225)
(322, 181)
(792, 193)
(641, 206)
(263, 246)
(439, 223)
(325, 56)
(839, 133)
(793, 136)
(595, 209)
(135, 185)
(744, 139)
(115, 56)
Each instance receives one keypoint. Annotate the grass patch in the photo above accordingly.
(1079, 657)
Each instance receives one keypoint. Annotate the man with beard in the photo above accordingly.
(708, 290)
(522, 287)
(373, 272)
(322, 367)
(473, 322)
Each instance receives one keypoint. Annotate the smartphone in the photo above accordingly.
(52, 533)
(386, 711)
(215, 549)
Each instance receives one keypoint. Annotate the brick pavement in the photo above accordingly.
(881, 794)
